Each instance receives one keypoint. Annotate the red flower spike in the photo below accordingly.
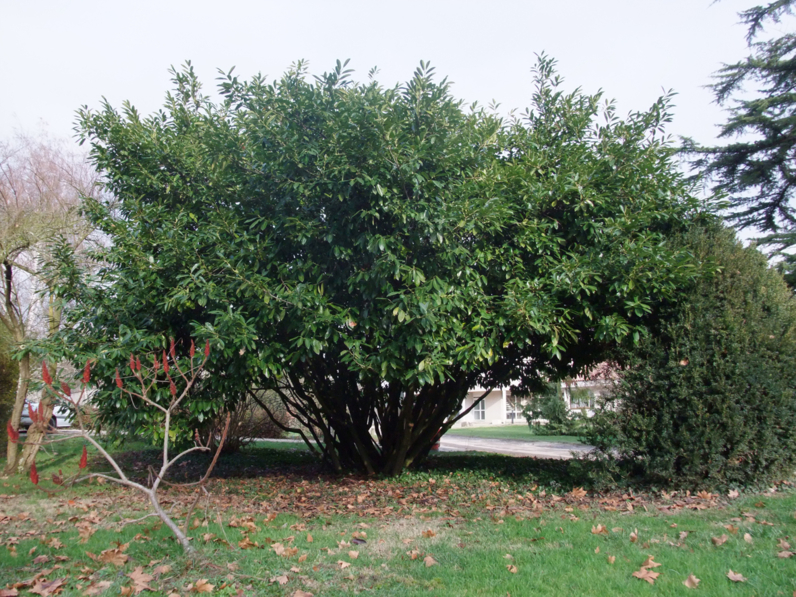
(156, 363)
(172, 388)
(165, 363)
(34, 474)
(84, 458)
(118, 379)
(171, 349)
(137, 364)
(33, 413)
(45, 374)
(87, 373)
(132, 364)
(13, 434)
(207, 348)
(193, 350)
(66, 389)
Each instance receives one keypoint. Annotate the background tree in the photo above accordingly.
(41, 185)
(758, 170)
(9, 373)
(372, 253)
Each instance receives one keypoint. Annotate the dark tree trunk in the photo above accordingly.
(371, 426)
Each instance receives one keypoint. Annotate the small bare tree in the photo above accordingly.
(41, 185)
(146, 380)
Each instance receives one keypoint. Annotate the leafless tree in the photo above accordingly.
(42, 181)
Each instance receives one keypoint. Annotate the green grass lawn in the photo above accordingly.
(516, 431)
(476, 516)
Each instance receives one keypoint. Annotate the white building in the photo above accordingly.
(500, 407)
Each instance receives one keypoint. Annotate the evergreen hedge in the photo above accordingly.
(709, 399)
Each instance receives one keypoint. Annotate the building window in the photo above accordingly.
(479, 412)
(581, 398)
(513, 409)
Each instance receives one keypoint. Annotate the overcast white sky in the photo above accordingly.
(57, 56)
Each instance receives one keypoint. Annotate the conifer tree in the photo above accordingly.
(757, 171)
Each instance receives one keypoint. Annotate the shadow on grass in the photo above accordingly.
(295, 461)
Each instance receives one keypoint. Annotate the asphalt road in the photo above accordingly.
(512, 447)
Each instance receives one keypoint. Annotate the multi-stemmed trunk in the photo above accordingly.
(376, 427)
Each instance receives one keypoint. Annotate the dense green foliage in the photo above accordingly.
(756, 169)
(711, 398)
(371, 253)
(547, 413)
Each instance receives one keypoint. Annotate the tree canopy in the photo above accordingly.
(371, 252)
(755, 170)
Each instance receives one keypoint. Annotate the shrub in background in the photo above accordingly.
(709, 399)
(547, 414)
(249, 421)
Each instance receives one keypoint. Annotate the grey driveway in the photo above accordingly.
(512, 447)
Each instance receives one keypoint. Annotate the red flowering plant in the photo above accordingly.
(165, 371)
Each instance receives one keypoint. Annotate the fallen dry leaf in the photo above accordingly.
(233, 566)
(747, 537)
(785, 554)
(429, 561)
(732, 494)
(512, 568)
(731, 528)
(97, 588)
(735, 576)
(163, 569)
(126, 591)
(113, 556)
(140, 580)
(9, 593)
(343, 564)
(45, 588)
(634, 536)
(650, 563)
(692, 582)
(719, 540)
(282, 579)
(247, 543)
(309, 538)
(599, 530)
(202, 586)
(428, 534)
(611, 559)
(578, 492)
(295, 569)
(300, 593)
(302, 557)
(41, 559)
(646, 574)
(783, 544)
(353, 555)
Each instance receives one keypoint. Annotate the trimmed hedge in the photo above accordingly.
(710, 398)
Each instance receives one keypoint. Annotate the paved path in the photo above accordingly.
(512, 447)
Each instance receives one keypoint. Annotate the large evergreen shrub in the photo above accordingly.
(710, 397)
